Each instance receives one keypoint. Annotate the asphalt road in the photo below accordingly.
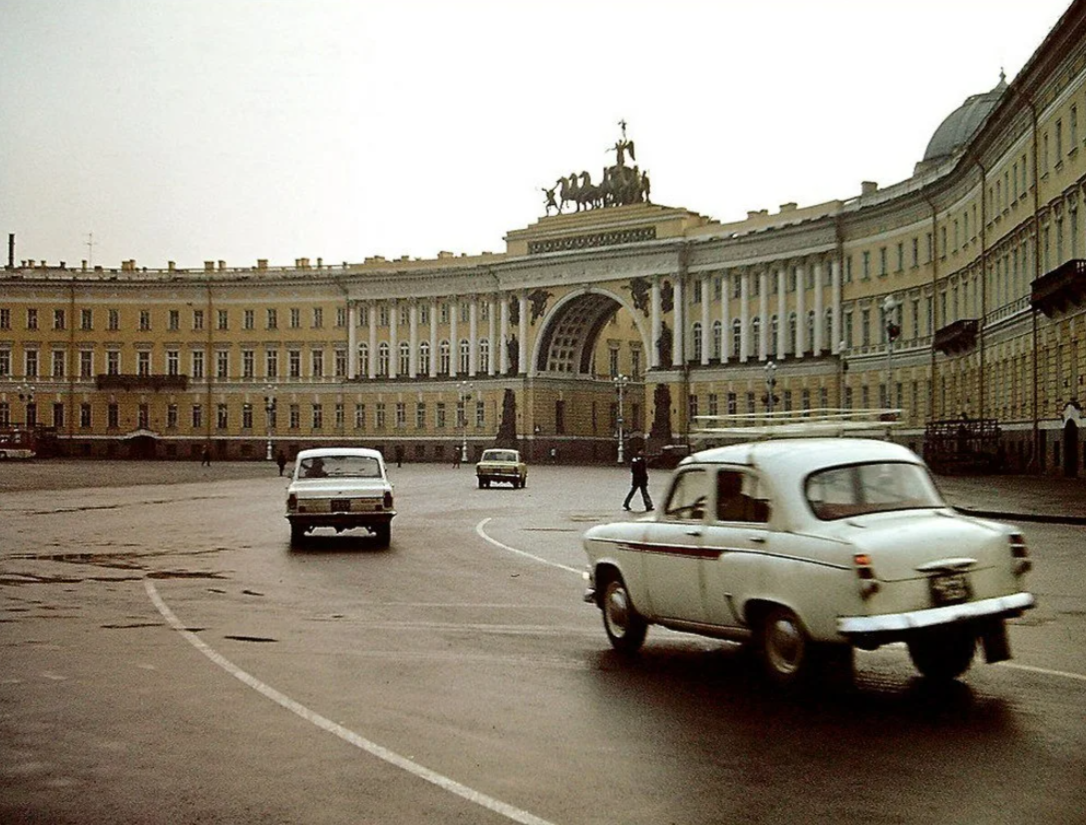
(167, 658)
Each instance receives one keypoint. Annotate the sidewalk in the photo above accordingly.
(1018, 497)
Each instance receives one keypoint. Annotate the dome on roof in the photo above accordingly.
(962, 123)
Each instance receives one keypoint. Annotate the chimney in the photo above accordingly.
(868, 187)
(261, 264)
(320, 263)
(789, 207)
(209, 266)
(222, 266)
(84, 265)
(171, 265)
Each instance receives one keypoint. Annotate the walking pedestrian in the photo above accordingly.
(639, 480)
(281, 460)
(205, 457)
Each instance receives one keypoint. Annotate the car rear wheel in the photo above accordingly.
(943, 653)
(783, 647)
(383, 534)
(625, 627)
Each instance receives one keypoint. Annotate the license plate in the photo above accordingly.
(950, 588)
(341, 505)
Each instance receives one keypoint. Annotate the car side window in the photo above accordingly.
(737, 498)
(688, 497)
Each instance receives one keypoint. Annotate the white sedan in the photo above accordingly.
(808, 548)
(342, 488)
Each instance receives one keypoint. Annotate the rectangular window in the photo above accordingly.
(379, 415)
(145, 320)
(420, 415)
(58, 415)
(222, 416)
(866, 271)
(273, 319)
(197, 416)
(31, 319)
(223, 319)
(294, 363)
(360, 416)
(341, 317)
(5, 318)
(143, 363)
(174, 320)
(198, 364)
(249, 319)
(560, 417)
(439, 415)
(58, 319)
(248, 364)
(271, 363)
(113, 320)
(480, 414)
(295, 422)
(85, 415)
(401, 414)
(341, 363)
(197, 319)
(143, 416)
(246, 416)
(222, 364)
(318, 317)
(60, 359)
(113, 362)
(171, 417)
(113, 416)
(295, 318)
(86, 363)
(318, 416)
(317, 357)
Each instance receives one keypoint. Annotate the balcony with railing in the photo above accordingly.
(135, 381)
(957, 337)
(1061, 290)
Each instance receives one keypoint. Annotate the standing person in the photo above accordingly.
(639, 480)
(205, 457)
(456, 457)
(399, 455)
(281, 460)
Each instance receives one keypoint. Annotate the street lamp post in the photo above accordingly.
(26, 395)
(892, 332)
(844, 368)
(269, 410)
(770, 384)
(465, 397)
(620, 382)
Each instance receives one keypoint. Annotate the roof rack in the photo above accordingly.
(821, 421)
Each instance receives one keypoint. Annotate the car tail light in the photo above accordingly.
(1020, 554)
(388, 500)
(292, 502)
(865, 572)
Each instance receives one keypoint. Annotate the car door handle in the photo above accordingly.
(693, 532)
(758, 539)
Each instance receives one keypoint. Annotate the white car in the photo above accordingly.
(342, 488)
(501, 465)
(808, 548)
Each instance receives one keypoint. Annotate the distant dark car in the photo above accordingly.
(669, 456)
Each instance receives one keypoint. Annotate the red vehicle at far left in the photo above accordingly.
(18, 442)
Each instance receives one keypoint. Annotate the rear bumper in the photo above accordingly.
(900, 624)
(342, 520)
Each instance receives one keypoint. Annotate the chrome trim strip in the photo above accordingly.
(916, 619)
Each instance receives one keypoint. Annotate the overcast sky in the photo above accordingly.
(193, 130)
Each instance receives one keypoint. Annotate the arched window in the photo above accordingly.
(484, 355)
(405, 358)
(737, 338)
(718, 332)
(695, 333)
(363, 359)
(444, 364)
(811, 342)
(465, 355)
(827, 331)
(755, 330)
(382, 359)
(792, 334)
(774, 329)
(424, 358)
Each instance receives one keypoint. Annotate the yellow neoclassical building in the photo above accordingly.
(958, 296)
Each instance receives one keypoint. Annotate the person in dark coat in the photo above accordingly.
(205, 457)
(639, 480)
(281, 460)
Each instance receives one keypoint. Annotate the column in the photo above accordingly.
(454, 345)
(819, 332)
(491, 316)
(522, 354)
(414, 337)
(473, 336)
(678, 351)
(352, 340)
(835, 298)
(744, 316)
(782, 316)
(654, 352)
(801, 312)
(763, 313)
(503, 354)
(434, 355)
(393, 339)
(725, 321)
(373, 339)
(706, 324)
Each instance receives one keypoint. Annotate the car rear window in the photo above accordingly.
(500, 455)
(340, 466)
(858, 489)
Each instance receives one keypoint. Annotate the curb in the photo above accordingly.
(1043, 518)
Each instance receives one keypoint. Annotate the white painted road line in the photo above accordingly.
(1045, 671)
(482, 533)
(414, 768)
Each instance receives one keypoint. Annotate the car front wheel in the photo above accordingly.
(783, 647)
(943, 653)
(625, 627)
